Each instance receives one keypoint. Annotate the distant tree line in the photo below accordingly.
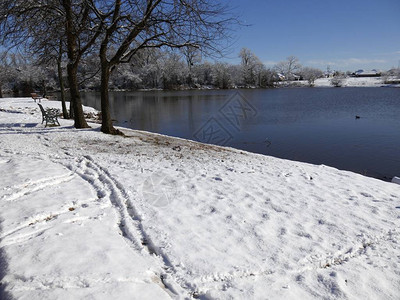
(151, 68)
(158, 69)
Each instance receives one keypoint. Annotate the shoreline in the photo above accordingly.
(92, 118)
(320, 83)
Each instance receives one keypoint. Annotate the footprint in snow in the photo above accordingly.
(366, 195)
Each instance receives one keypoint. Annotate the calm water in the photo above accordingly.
(315, 125)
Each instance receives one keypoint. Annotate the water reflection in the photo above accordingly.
(313, 125)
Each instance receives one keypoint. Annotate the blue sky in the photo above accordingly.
(346, 35)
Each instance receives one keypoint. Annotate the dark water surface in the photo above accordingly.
(315, 125)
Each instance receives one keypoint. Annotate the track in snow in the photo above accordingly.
(130, 221)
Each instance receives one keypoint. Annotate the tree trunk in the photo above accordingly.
(106, 121)
(71, 109)
(44, 88)
(1, 91)
(79, 118)
(62, 90)
(72, 67)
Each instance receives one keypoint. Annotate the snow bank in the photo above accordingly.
(85, 214)
(347, 82)
(352, 82)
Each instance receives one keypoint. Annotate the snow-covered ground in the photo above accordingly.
(84, 215)
(348, 82)
(352, 82)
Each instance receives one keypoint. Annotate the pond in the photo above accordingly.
(356, 129)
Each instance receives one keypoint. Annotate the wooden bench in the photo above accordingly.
(37, 97)
(50, 115)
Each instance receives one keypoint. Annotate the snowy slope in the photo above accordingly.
(87, 215)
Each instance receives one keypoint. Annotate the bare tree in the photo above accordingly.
(289, 67)
(149, 64)
(267, 78)
(44, 25)
(203, 73)
(222, 75)
(249, 63)
(311, 74)
(173, 70)
(47, 45)
(6, 71)
(81, 31)
(254, 71)
(192, 56)
(48, 51)
(338, 79)
(126, 76)
(128, 27)
(14, 26)
(21, 74)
